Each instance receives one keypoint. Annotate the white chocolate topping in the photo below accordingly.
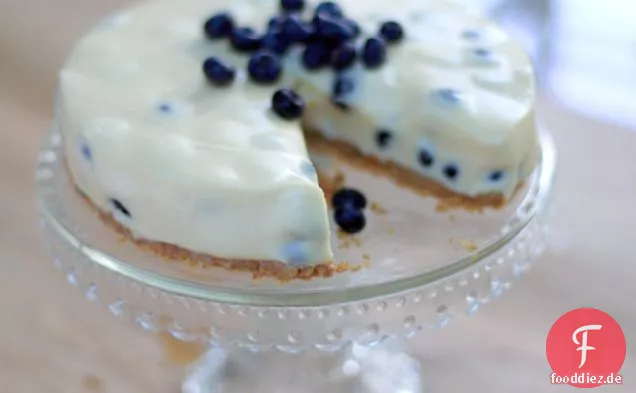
(215, 170)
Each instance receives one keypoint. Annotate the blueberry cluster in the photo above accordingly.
(349, 205)
(327, 38)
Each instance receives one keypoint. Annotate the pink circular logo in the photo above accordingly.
(586, 348)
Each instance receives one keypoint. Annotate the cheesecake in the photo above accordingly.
(187, 125)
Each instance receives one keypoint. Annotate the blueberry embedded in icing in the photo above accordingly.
(292, 5)
(483, 55)
(349, 197)
(470, 35)
(373, 52)
(308, 170)
(391, 31)
(340, 103)
(329, 8)
(287, 104)
(164, 108)
(219, 26)
(425, 157)
(451, 171)
(172, 109)
(343, 85)
(86, 151)
(217, 72)
(119, 207)
(350, 219)
(343, 57)
(316, 55)
(245, 39)
(264, 67)
(295, 253)
(496, 176)
(447, 96)
(383, 138)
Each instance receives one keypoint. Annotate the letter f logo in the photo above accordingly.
(583, 344)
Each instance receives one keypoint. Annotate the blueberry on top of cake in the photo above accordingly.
(427, 87)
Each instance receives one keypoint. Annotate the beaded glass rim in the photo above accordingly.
(534, 202)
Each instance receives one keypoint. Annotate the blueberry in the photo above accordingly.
(276, 41)
(218, 72)
(495, 176)
(383, 138)
(350, 220)
(426, 158)
(329, 8)
(292, 5)
(245, 39)
(295, 29)
(391, 31)
(288, 104)
(164, 108)
(309, 170)
(264, 67)
(86, 151)
(349, 197)
(482, 53)
(470, 35)
(343, 85)
(448, 95)
(316, 55)
(295, 253)
(276, 22)
(374, 52)
(355, 27)
(340, 103)
(310, 34)
(120, 207)
(219, 26)
(343, 57)
(451, 171)
(332, 29)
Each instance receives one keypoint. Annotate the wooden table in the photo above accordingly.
(52, 340)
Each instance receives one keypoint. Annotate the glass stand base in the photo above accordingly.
(357, 369)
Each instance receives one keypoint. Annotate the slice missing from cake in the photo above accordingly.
(183, 122)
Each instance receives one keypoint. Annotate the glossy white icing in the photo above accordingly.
(216, 171)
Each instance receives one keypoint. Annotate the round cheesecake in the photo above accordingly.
(187, 124)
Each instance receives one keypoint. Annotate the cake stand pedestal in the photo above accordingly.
(342, 334)
(355, 368)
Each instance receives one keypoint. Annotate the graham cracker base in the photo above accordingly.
(447, 199)
(259, 269)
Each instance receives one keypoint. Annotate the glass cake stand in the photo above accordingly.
(422, 268)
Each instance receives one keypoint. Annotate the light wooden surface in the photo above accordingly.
(52, 340)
